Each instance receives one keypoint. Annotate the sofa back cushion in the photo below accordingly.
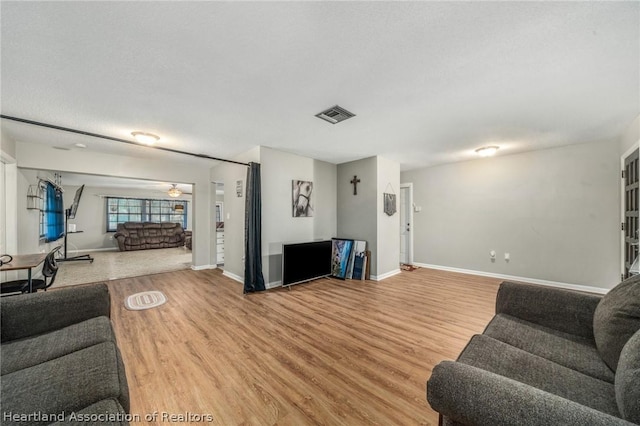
(628, 380)
(616, 319)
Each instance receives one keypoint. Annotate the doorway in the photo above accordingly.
(630, 208)
(406, 223)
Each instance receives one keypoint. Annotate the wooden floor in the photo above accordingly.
(328, 352)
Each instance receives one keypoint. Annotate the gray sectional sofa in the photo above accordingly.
(548, 357)
(59, 359)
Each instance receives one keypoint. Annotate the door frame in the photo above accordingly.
(409, 185)
(623, 157)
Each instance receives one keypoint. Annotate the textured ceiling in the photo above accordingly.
(428, 81)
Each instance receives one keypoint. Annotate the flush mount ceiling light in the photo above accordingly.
(174, 191)
(80, 145)
(487, 151)
(145, 138)
(335, 114)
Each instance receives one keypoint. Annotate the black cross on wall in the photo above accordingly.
(355, 182)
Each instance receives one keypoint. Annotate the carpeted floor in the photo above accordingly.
(110, 265)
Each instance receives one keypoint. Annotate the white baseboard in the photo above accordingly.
(203, 267)
(93, 250)
(273, 284)
(233, 276)
(515, 278)
(385, 275)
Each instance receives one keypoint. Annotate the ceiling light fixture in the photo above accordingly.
(174, 191)
(145, 138)
(80, 145)
(487, 151)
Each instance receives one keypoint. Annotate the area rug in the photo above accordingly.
(144, 300)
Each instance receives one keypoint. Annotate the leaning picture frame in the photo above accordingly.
(340, 255)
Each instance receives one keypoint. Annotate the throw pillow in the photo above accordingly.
(616, 319)
(627, 380)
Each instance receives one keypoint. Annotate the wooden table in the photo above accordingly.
(24, 261)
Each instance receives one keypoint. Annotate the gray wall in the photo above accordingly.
(357, 216)
(556, 212)
(388, 234)
(279, 226)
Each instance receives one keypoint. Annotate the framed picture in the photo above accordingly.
(340, 256)
(302, 191)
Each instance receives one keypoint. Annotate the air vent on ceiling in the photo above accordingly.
(335, 114)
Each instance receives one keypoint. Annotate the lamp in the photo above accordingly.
(487, 151)
(174, 191)
(145, 138)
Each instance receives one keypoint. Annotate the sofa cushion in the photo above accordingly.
(628, 380)
(24, 353)
(616, 319)
(577, 353)
(500, 358)
(68, 383)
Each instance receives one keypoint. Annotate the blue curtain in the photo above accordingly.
(253, 279)
(54, 213)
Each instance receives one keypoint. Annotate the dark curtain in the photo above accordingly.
(253, 279)
(54, 212)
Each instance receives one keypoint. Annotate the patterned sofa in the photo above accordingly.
(149, 235)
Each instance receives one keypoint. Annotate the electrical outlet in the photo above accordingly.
(507, 257)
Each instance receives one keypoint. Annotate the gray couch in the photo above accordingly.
(60, 363)
(548, 357)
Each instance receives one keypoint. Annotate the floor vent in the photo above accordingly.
(335, 114)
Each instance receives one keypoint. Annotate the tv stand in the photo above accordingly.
(65, 258)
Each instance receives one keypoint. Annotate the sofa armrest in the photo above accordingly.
(563, 310)
(36, 313)
(473, 396)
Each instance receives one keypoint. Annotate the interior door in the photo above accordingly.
(405, 224)
(630, 219)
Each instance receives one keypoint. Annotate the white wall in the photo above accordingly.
(556, 212)
(228, 174)
(278, 170)
(631, 136)
(158, 166)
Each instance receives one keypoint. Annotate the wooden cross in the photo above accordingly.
(355, 182)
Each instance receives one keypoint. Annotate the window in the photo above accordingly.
(120, 210)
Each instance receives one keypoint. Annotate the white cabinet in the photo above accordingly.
(220, 247)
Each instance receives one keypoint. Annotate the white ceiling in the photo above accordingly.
(428, 81)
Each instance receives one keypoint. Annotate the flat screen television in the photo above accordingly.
(303, 262)
(76, 200)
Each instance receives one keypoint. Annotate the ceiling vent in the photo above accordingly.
(335, 114)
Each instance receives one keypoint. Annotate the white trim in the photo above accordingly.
(76, 250)
(202, 267)
(577, 287)
(385, 275)
(233, 276)
(411, 221)
(274, 284)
